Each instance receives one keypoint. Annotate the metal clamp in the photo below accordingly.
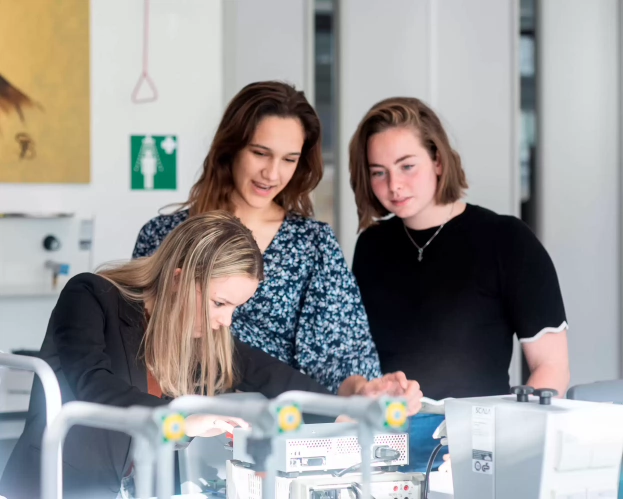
(136, 421)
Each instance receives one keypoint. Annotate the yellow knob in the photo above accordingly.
(174, 428)
(290, 418)
(396, 415)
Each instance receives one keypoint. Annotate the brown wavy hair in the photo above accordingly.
(253, 103)
(204, 247)
(407, 112)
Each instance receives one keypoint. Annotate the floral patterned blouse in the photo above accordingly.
(308, 310)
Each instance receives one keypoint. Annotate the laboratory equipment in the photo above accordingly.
(147, 427)
(532, 445)
(51, 389)
(57, 269)
(382, 486)
(268, 418)
(244, 483)
(46, 375)
(610, 391)
(29, 287)
(203, 461)
(325, 447)
(384, 414)
(31, 241)
(156, 431)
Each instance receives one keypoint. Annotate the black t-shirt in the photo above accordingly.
(448, 321)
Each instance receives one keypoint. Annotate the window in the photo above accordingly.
(527, 151)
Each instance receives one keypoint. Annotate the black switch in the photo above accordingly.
(522, 392)
(51, 243)
(545, 395)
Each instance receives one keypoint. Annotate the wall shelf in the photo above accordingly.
(34, 215)
(28, 291)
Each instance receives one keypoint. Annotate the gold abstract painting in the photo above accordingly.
(44, 91)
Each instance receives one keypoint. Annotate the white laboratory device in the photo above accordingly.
(532, 445)
(268, 418)
(382, 486)
(384, 414)
(245, 483)
(325, 447)
(323, 461)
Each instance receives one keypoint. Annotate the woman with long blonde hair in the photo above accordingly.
(142, 333)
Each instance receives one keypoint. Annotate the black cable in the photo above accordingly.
(429, 468)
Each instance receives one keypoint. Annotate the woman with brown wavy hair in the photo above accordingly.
(142, 333)
(263, 164)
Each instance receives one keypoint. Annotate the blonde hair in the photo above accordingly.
(206, 246)
(402, 112)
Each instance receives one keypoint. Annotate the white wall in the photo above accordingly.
(382, 50)
(475, 88)
(579, 133)
(185, 62)
(268, 40)
(460, 58)
(457, 56)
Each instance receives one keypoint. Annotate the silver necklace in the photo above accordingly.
(422, 248)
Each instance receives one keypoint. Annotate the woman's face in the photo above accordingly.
(403, 176)
(265, 166)
(226, 293)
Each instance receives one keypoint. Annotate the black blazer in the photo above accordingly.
(92, 344)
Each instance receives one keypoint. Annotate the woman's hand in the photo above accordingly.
(211, 425)
(340, 419)
(395, 385)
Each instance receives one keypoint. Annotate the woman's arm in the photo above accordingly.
(260, 372)
(548, 359)
(534, 305)
(332, 338)
(355, 384)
